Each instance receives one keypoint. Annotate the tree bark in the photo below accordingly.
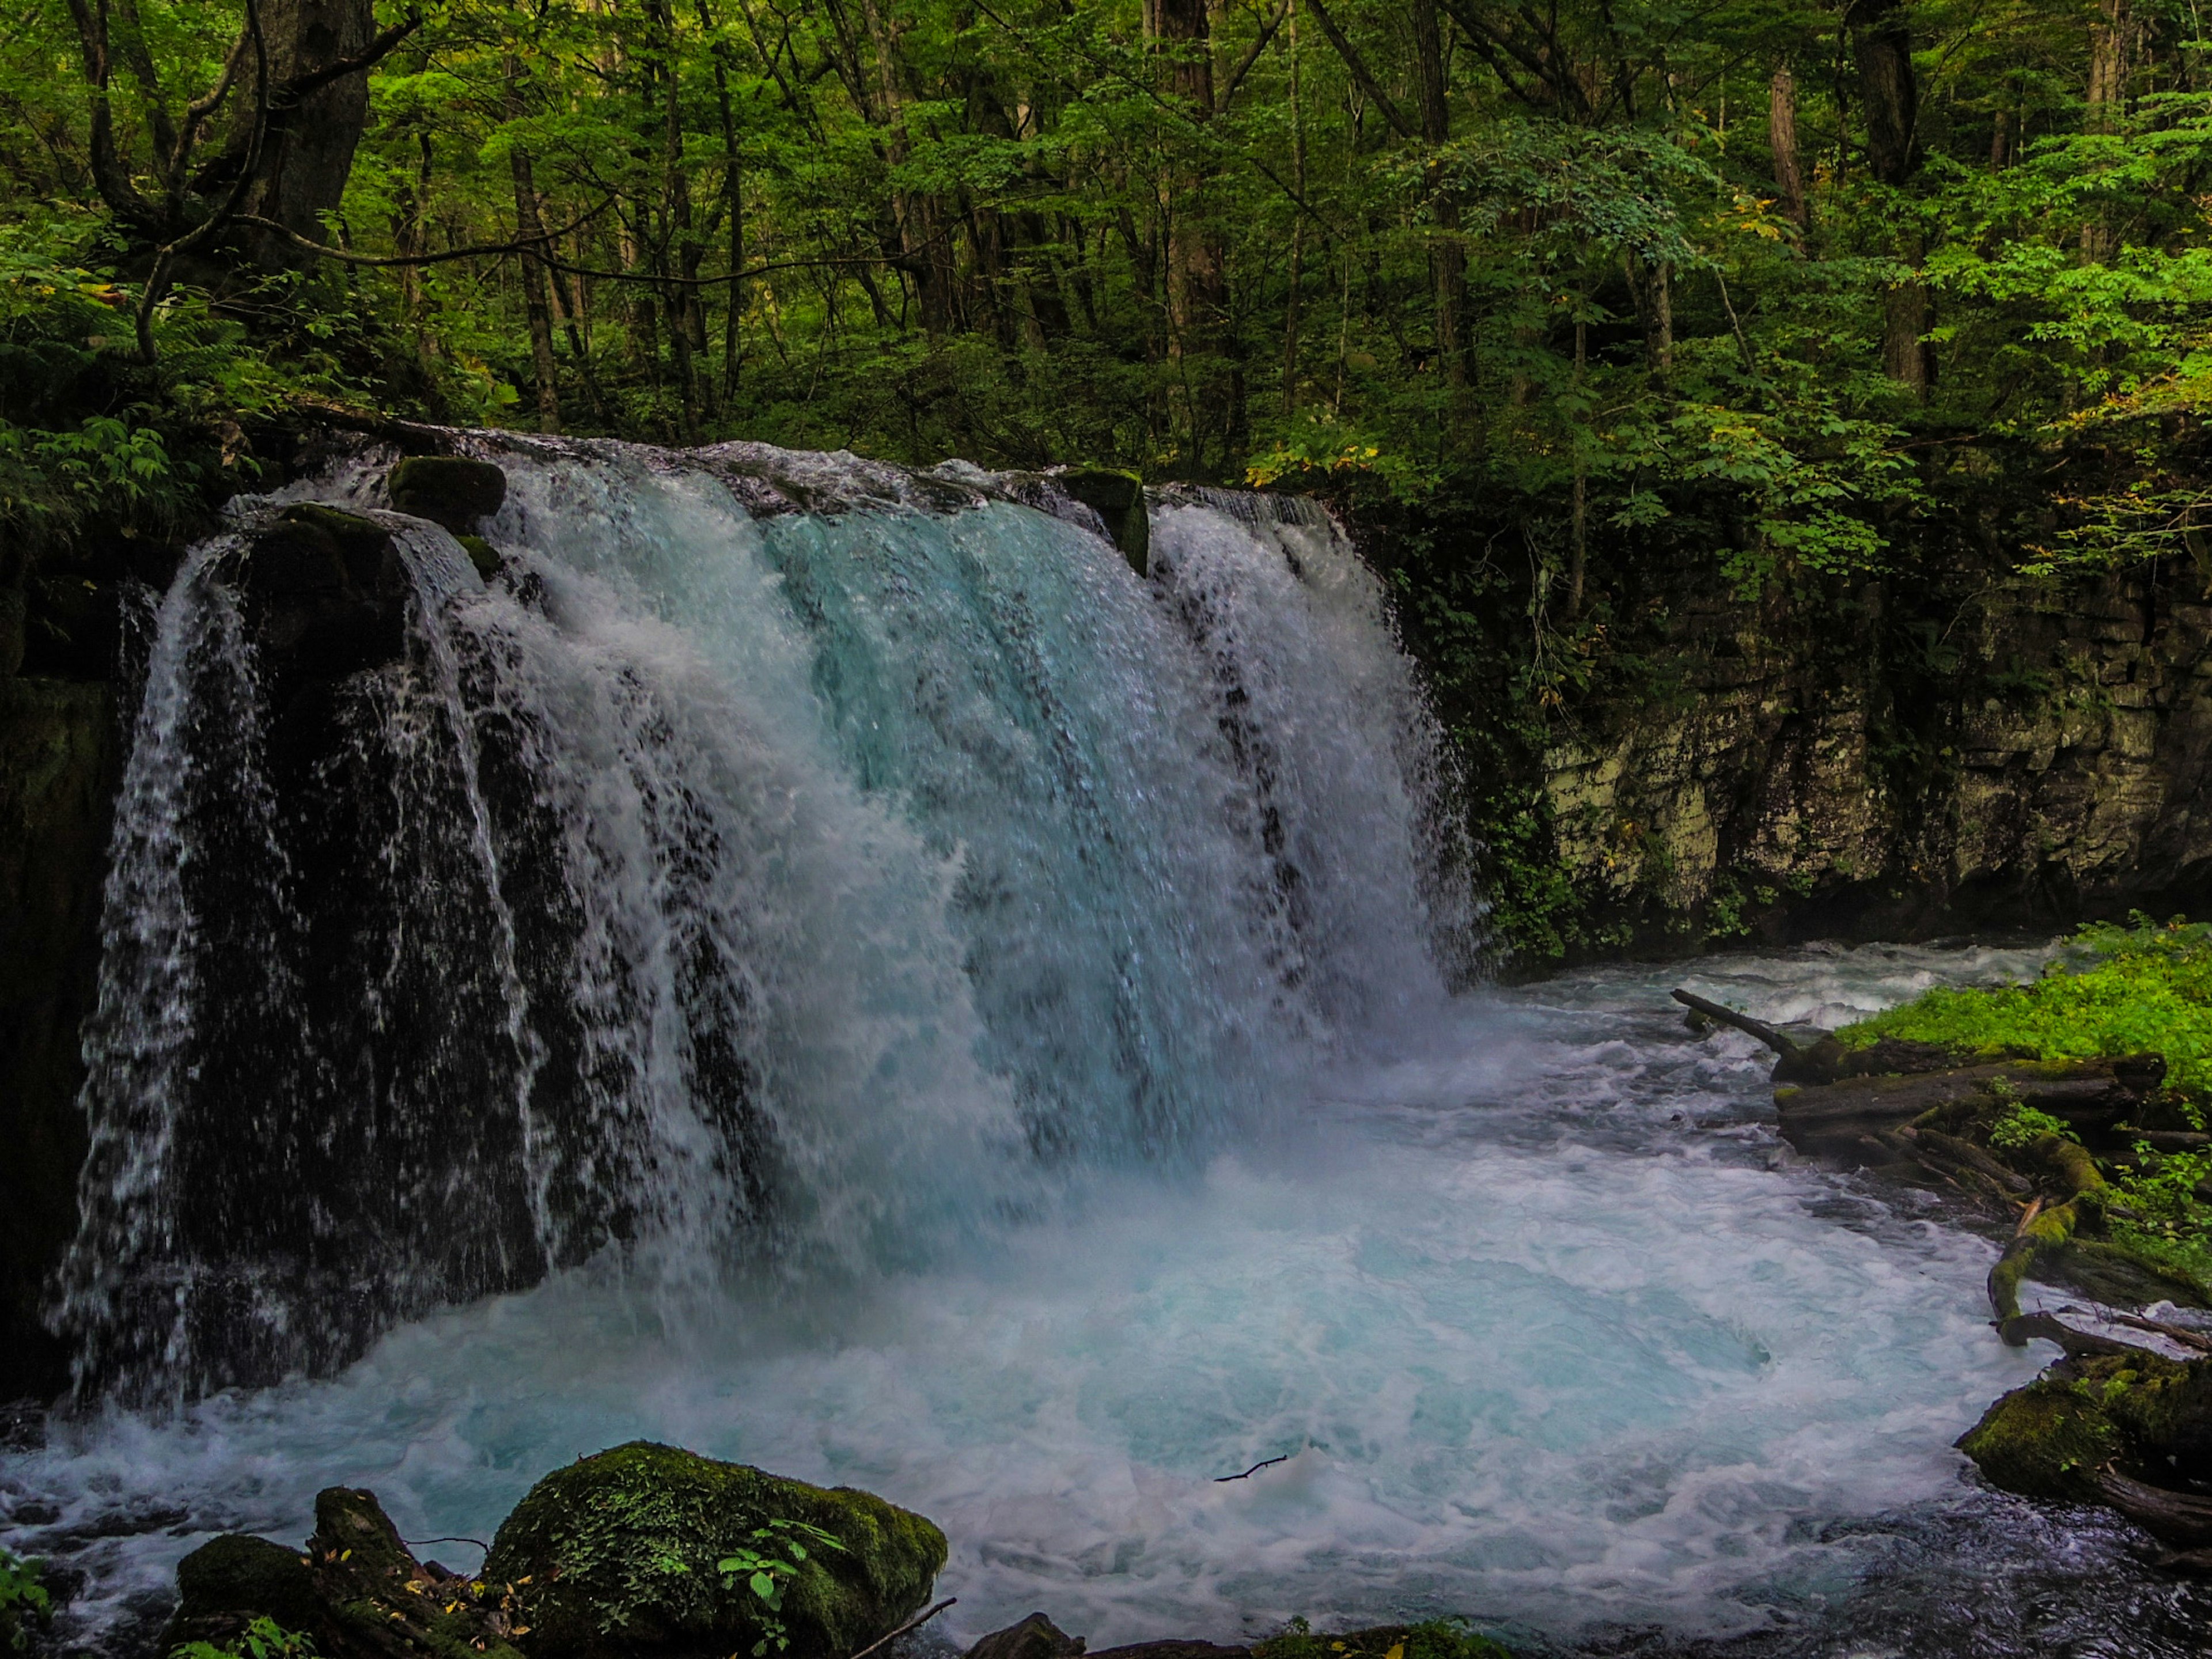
(2108, 68)
(1298, 228)
(1782, 139)
(1890, 96)
(1198, 286)
(306, 155)
(527, 228)
(1446, 260)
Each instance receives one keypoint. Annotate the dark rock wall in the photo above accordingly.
(60, 765)
(2021, 755)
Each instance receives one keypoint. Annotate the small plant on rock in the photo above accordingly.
(2023, 1126)
(264, 1638)
(24, 1601)
(762, 1566)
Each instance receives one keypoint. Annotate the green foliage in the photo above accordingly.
(24, 1603)
(264, 1638)
(2145, 988)
(2022, 1127)
(768, 1575)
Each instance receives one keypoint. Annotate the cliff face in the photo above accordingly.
(2034, 755)
(60, 765)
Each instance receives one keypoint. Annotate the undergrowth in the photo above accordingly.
(2143, 988)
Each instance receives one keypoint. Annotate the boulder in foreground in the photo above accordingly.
(621, 1554)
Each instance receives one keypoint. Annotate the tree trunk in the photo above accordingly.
(307, 153)
(1782, 139)
(1298, 228)
(2108, 71)
(1446, 260)
(1198, 285)
(527, 226)
(1891, 98)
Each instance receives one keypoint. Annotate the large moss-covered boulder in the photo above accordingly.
(2048, 1440)
(617, 1554)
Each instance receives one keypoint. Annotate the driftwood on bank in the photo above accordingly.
(1902, 1109)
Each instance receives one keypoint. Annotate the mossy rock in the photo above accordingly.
(229, 1581)
(238, 1573)
(1118, 498)
(2085, 1416)
(448, 489)
(482, 554)
(617, 1553)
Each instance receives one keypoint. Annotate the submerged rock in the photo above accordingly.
(621, 1553)
(451, 490)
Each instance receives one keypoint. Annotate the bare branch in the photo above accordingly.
(1360, 72)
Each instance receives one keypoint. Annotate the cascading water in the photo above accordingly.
(826, 966)
(732, 888)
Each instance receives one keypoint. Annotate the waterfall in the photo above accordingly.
(782, 864)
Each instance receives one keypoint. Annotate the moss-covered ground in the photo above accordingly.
(2112, 991)
(2141, 989)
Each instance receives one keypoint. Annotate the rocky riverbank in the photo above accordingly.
(2094, 1170)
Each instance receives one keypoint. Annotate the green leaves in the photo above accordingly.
(264, 1638)
(768, 1575)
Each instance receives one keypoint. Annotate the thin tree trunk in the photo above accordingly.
(1578, 550)
(2108, 71)
(1782, 138)
(1198, 285)
(1298, 228)
(1446, 260)
(1890, 95)
(528, 226)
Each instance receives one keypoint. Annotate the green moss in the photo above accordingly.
(2046, 1440)
(237, 1573)
(2182, 1258)
(1439, 1639)
(619, 1551)
(2147, 989)
(482, 554)
(350, 530)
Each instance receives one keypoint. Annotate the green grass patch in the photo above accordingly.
(2145, 988)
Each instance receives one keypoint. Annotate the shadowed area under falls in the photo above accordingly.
(945, 1015)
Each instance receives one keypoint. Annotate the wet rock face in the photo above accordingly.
(1119, 499)
(451, 490)
(327, 594)
(622, 1552)
(1804, 769)
(61, 757)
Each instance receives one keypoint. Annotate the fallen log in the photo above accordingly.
(2175, 1517)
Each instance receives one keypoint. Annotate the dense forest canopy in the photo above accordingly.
(1591, 252)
